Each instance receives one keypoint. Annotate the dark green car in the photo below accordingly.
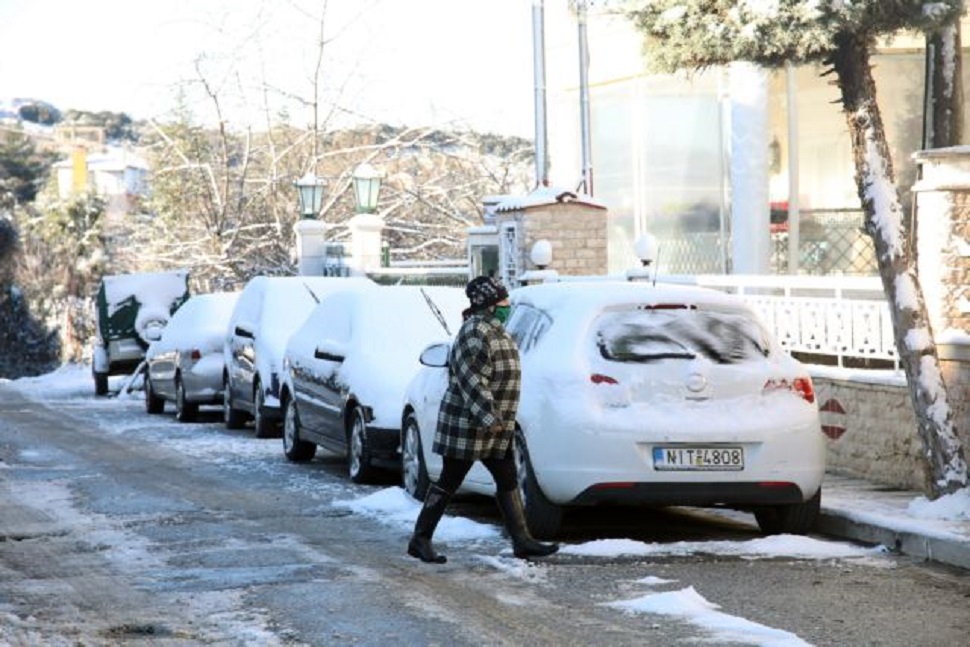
(132, 310)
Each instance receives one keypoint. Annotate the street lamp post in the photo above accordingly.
(311, 233)
(367, 225)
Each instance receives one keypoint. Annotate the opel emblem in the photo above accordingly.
(696, 382)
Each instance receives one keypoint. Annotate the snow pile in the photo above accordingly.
(156, 291)
(954, 506)
(766, 547)
(393, 506)
(689, 605)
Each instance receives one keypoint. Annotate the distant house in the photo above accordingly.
(117, 175)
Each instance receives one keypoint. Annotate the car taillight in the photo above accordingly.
(802, 386)
(599, 378)
(196, 355)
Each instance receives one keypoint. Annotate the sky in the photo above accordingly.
(419, 62)
(654, 596)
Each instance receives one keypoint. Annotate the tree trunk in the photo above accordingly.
(884, 223)
(943, 118)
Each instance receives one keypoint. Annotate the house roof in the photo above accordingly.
(543, 196)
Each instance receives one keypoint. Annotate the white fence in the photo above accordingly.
(841, 317)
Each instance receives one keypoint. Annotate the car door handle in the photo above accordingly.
(330, 357)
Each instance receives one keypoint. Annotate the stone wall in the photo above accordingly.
(879, 441)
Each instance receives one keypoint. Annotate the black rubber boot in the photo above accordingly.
(420, 546)
(523, 545)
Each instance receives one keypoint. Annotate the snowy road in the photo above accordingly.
(121, 528)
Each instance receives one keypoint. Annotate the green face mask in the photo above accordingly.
(502, 313)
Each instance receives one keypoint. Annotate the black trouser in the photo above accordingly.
(454, 470)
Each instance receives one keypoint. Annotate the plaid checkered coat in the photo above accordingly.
(483, 388)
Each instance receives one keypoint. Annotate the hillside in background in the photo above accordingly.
(217, 203)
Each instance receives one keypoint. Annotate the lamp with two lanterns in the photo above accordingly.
(365, 226)
(367, 187)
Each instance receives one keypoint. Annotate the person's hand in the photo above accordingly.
(496, 428)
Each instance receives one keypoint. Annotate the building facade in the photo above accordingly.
(669, 152)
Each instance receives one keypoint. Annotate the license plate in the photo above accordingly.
(698, 458)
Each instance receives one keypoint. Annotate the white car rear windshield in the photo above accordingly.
(680, 332)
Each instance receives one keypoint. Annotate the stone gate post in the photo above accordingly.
(943, 263)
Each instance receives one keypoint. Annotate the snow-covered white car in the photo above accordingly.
(185, 365)
(639, 394)
(268, 311)
(346, 369)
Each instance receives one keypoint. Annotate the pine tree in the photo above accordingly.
(23, 169)
(696, 34)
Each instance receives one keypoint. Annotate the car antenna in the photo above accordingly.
(436, 311)
(315, 297)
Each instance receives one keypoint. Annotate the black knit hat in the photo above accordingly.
(484, 291)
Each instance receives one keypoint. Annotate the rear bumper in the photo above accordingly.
(123, 366)
(695, 494)
(591, 467)
(124, 355)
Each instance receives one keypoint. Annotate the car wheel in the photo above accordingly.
(184, 411)
(265, 428)
(234, 418)
(295, 449)
(153, 403)
(101, 384)
(543, 517)
(414, 472)
(358, 457)
(792, 519)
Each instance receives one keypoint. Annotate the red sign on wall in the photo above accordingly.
(833, 418)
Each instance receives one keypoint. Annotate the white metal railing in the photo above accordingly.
(836, 316)
(839, 316)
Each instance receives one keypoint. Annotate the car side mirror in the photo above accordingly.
(435, 355)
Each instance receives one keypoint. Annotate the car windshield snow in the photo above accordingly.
(654, 334)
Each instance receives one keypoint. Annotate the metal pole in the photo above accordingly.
(584, 97)
(928, 112)
(539, 66)
(794, 220)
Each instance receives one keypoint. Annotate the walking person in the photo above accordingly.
(476, 421)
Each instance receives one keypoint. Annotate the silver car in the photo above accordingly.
(185, 365)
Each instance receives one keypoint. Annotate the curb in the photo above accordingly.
(952, 551)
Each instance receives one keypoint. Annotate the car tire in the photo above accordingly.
(185, 411)
(358, 456)
(100, 383)
(294, 448)
(414, 471)
(265, 427)
(153, 403)
(233, 418)
(543, 517)
(792, 519)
